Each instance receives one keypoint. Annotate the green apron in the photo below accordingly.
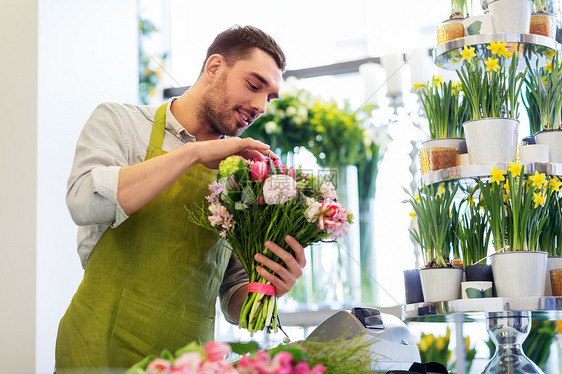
(151, 283)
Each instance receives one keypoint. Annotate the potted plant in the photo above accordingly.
(544, 105)
(512, 16)
(453, 27)
(474, 234)
(550, 239)
(516, 211)
(492, 88)
(543, 21)
(432, 206)
(445, 112)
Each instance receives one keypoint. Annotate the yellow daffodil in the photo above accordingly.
(468, 53)
(555, 184)
(538, 180)
(459, 86)
(497, 175)
(548, 67)
(508, 54)
(515, 168)
(467, 342)
(492, 64)
(441, 189)
(549, 53)
(498, 48)
(418, 85)
(506, 186)
(470, 200)
(413, 215)
(543, 79)
(437, 80)
(506, 197)
(441, 343)
(538, 199)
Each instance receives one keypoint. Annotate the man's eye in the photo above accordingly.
(252, 87)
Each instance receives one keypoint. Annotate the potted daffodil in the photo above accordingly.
(543, 21)
(492, 88)
(433, 207)
(516, 206)
(544, 105)
(445, 112)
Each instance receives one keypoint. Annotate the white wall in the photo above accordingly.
(18, 166)
(87, 54)
(59, 59)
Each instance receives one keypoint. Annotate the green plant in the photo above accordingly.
(540, 6)
(491, 87)
(459, 8)
(544, 95)
(473, 230)
(516, 207)
(444, 108)
(550, 239)
(433, 206)
(285, 124)
(150, 68)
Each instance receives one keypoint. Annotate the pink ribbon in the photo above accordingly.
(264, 289)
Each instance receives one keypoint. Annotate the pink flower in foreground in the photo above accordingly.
(216, 351)
(187, 363)
(291, 171)
(278, 189)
(318, 369)
(159, 366)
(259, 170)
(302, 368)
(283, 359)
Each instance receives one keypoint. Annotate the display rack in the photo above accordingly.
(535, 47)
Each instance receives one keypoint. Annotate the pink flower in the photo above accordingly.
(187, 363)
(301, 368)
(291, 171)
(328, 214)
(159, 366)
(259, 171)
(216, 351)
(220, 217)
(318, 369)
(278, 189)
(216, 190)
(283, 359)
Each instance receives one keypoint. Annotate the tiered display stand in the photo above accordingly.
(508, 320)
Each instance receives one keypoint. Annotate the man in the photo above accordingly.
(152, 277)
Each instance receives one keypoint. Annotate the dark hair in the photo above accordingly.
(237, 43)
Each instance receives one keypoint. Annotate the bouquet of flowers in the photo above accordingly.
(255, 201)
(211, 359)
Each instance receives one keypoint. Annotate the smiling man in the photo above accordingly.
(152, 277)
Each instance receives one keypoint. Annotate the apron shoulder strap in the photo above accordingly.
(159, 127)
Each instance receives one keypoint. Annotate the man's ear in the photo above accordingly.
(213, 66)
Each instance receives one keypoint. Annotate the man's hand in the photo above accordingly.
(211, 152)
(286, 276)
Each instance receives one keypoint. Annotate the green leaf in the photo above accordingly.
(243, 348)
(474, 28)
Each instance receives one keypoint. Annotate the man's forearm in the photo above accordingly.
(236, 302)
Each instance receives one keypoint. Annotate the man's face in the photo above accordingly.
(240, 93)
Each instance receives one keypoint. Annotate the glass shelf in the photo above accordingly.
(474, 310)
(448, 55)
(475, 171)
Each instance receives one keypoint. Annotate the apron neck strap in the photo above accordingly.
(158, 127)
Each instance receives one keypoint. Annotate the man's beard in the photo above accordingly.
(213, 114)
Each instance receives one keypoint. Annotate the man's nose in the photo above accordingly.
(259, 104)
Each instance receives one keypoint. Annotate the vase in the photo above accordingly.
(441, 284)
(543, 24)
(553, 263)
(519, 273)
(449, 30)
(491, 140)
(553, 139)
(412, 286)
(511, 15)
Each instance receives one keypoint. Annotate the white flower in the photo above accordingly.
(328, 192)
(270, 127)
(290, 88)
(311, 213)
(279, 188)
(291, 111)
(302, 113)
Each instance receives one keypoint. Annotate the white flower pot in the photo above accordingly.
(441, 284)
(511, 15)
(491, 140)
(533, 153)
(553, 139)
(481, 24)
(552, 264)
(520, 273)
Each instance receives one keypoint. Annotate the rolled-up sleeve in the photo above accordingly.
(234, 278)
(101, 150)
